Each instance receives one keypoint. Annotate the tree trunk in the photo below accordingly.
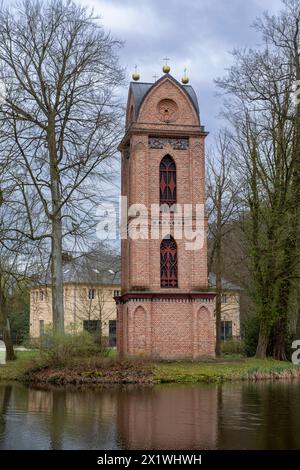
(218, 309)
(281, 326)
(263, 339)
(218, 264)
(280, 334)
(10, 354)
(56, 252)
(100, 329)
(5, 326)
(57, 277)
(298, 314)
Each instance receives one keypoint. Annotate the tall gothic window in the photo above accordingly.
(168, 263)
(167, 177)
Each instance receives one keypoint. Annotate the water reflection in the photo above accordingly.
(168, 417)
(235, 416)
(263, 415)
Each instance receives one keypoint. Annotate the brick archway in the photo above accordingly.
(140, 330)
(204, 332)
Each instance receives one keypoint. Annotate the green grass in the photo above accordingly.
(12, 370)
(227, 368)
(223, 370)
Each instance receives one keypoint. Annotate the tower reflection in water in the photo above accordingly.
(129, 417)
(168, 417)
(230, 416)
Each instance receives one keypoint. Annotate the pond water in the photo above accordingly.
(263, 415)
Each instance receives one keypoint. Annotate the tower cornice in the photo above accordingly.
(173, 130)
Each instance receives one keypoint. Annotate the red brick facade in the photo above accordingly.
(152, 320)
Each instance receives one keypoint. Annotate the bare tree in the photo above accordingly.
(222, 195)
(14, 272)
(17, 254)
(260, 85)
(96, 303)
(59, 123)
(97, 271)
(283, 33)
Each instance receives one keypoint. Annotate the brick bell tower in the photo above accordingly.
(165, 310)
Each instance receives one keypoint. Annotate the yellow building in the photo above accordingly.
(230, 308)
(91, 282)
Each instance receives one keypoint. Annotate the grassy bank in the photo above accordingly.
(96, 370)
(227, 370)
(14, 370)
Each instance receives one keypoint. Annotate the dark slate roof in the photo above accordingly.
(192, 95)
(91, 268)
(104, 268)
(140, 89)
(226, 285)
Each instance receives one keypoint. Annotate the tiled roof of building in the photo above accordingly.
(226, 285)
(140, 89)
(104, 268)
(101, 268)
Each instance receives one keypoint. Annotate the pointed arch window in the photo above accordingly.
(168, 263)
(167, 181)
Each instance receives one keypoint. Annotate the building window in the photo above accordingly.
(168, 263)
(117, 293)
(92, 326)
(226, 330)
(42, 328)
(112, 333)
(92, 294)
(167, 181)
(224, 299)
(42, 295)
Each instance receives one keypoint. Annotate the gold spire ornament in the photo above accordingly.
(185, 79)
(166, 68)
(135, 75)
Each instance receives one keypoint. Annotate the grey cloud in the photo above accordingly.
(196, 33)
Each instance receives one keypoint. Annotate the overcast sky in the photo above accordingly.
(196, 34)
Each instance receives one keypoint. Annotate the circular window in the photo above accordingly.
(167, 110)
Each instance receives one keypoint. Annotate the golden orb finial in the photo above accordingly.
(135, 75)
(185, 79)
(166, 68)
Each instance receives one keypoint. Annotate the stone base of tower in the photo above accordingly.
(166, 326)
